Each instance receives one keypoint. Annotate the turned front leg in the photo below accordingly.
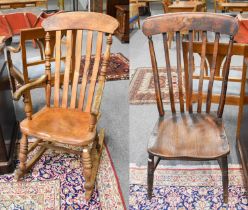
(27, 105)
(23, 156)
(87, 168)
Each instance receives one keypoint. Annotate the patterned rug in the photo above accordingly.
(56, 182)
(142, 91)
(30, 195)
(183, 187)
(118, 68)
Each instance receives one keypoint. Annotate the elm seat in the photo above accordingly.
(61, 125)
(195, 135)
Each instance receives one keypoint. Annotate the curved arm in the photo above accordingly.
(97, 102)
(13, 49)
(95, 115)
(29, 86)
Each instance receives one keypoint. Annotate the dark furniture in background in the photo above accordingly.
(120, 10)
(122, 15)
(111, 9)
(8, 124)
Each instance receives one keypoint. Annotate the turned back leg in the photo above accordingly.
(224, 168)
(150, 175)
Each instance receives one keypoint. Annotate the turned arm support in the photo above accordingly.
(29, 86)
(93, 121)
(98, 98)
(95, 114)
(95, 110)
(101, 82)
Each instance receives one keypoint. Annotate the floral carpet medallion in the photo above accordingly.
(56, 182)
(183, 187)
(142, 89)
(117, 69)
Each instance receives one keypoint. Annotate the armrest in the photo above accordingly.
(98, 98)
(29, 86)
(94, 118)
(95, 114)
(14, 50)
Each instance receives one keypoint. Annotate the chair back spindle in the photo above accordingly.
(78, 54)
(48, 68)
(190, 71)
(86, 69)
(168, 69)
(212, 72)
(156, 78)
(202, 67)
(225, 79)
(179, 71)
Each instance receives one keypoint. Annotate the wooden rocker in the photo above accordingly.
(69, 120)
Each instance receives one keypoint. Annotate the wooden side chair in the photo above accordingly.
(187, 134)
(71, 116)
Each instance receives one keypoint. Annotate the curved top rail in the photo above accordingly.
(81, 20)
(199, 21)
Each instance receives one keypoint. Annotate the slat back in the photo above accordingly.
(168, 69)
(87, 65)
(57, 69)
(204, 22)
(156, 78)
(202, 67)
(190, 72)
(73, 88)
(212, 72)
(94, 71)
(179, 71)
